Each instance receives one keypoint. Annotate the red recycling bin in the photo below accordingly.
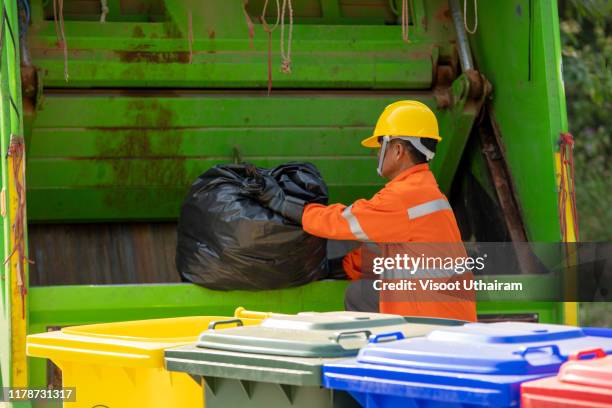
(580, 383)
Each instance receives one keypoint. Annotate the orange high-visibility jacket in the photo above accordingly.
(410, 208)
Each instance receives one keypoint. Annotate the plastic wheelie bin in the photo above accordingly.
(278, 364)
(121, 365)
(580, 383)
(473, 365)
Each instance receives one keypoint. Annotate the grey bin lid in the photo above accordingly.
(310, 334)
(289, 349)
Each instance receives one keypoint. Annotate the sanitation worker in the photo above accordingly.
(409, 209)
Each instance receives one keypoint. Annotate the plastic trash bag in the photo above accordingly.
(227, 240)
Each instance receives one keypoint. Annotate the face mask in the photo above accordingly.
(416, 142)
(381, 156)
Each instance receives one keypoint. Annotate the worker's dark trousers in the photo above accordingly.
(360, 296)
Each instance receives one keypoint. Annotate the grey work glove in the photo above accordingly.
(273, 197)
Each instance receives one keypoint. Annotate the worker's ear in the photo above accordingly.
(400, 150)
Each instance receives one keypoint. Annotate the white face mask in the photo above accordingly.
(381, 155)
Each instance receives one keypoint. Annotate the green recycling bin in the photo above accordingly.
(278, 364)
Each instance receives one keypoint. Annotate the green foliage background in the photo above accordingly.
(587, 49)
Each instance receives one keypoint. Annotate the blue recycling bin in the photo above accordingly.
(474, 365)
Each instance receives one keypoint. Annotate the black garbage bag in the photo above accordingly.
(227, 240)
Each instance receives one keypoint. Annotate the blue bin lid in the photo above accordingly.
(477, 364)
(505, 348)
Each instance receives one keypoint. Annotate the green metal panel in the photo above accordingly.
(517, 47)
(133, 157)
(157, 55)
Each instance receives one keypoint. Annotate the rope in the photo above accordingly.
(190, 35)
(249, 23)
(269, 30)
(16, 151)
(405, 20)
(566, 148)
(465, 25)
(104, 8)
(55, 23)
(58, 6)
(286, 56)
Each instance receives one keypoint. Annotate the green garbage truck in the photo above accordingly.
(111, 108)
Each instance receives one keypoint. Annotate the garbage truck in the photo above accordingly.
(111, 108)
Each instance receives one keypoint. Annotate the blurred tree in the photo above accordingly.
(587, 48)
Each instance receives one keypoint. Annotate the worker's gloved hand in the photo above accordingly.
(273, 197)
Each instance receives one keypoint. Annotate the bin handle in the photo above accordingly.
(553, 348)
(595, 352)
(340, 335)
(388, 336)
(213, 325)
(241, 312)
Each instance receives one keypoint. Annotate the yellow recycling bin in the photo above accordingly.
(121, 365)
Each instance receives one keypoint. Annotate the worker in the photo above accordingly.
(410, 208)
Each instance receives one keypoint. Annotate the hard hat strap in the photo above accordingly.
(381, 155)
(416, 142)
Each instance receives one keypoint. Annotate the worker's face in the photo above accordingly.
(395, 156)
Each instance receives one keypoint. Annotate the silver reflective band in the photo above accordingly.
(428, 208)
(354, 224)
(416, 142)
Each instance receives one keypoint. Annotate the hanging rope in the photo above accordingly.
(58, 8)
(567, 184)
(269, 30)
(249, 23)
(405, 20)
(465, 25)
(286, 56)
(16, 151)
(104, 9)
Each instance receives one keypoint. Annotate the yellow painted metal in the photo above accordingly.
(18, 303)
(121, 365)
(11, 127)
(570, 313)
(570, 309)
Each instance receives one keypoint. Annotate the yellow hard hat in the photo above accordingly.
(405, 119)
